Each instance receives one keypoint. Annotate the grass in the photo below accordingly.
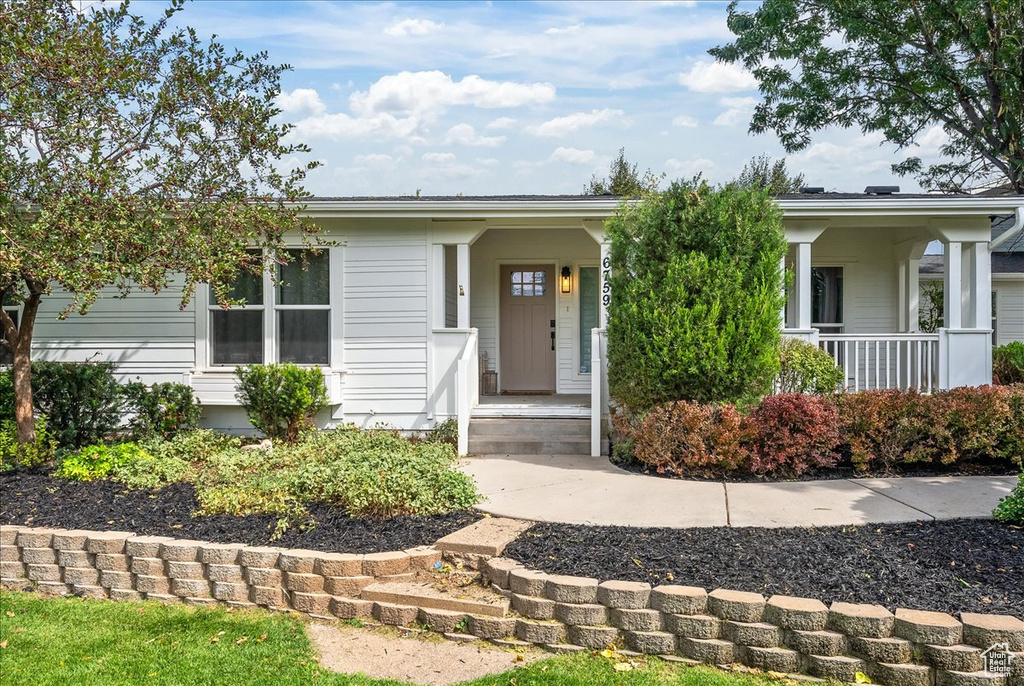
(82, 641)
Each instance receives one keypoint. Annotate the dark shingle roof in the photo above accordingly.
(1002, 263)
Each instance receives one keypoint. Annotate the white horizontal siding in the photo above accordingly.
(870, 296)
(1009, 309)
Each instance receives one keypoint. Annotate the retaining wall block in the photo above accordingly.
(349, 586)
(385, 564)
(491, 627)
(900, 675)
(395, 615)
(9, 534)
(10, 553)
(57, 588)
(82, 576)
(108, 541)
(593, 637)
(165, 598)
(821, 643)
(951, 678)
(338, 564)
(220, 553)
(145, 546)
(581, 615)
(350, 608)
(756, 634)
(226, 590)
(180, 551)
(201, 602)
(422, 557)
(35, 538)
(958, 658)
(534, 608)
(12, 570)
(231, 574)
(111, 562)
(651, 642)
(869, 621)
(268, 596)
(889, 650)
(679, 600)
(297, 561)
(497, 569)
(83, 591)
(527, 582)
(836, 667)
(74, 539)
(624, 595)
(770, 659)
(441, 621)
(186, 570)
(190, 588)
(264, 576)
(39, 556)
(76, 558)
(262, 557)
(43, 572)
(985, 630)
(312, 603)
(803, 614)
(152, 585)
(636, 620)
(709, 650)
(571, 589)
(123, 594)
(303, 583)
(693, 626)
(112, 579)
(933, 628)
(736, 606)
(540, 632)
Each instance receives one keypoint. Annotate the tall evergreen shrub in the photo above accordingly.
(696, 295)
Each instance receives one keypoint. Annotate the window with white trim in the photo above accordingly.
(284, 322)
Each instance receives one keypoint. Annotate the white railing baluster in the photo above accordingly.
(909, 360)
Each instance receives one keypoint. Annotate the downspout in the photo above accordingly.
(1011, 232)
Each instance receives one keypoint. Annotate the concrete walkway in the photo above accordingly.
(588, 490)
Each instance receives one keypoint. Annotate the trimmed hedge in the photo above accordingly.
(791, 434)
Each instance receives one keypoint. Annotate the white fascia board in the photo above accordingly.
(461, 209)
(895, 206)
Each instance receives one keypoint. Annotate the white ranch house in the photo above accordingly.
(474, 308)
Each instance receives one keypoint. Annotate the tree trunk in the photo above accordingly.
(21, 344)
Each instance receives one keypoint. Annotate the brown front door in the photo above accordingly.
(527, 329)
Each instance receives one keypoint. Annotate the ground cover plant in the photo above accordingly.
(1011, 508)
(84, 641)
(1008, 363)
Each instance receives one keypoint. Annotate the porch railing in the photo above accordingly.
(467, 388)
(882, 361)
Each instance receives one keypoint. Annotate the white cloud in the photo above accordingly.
(685, 121)
(487, 161)
(561, 126)
(501, 123)
(738, 110)
(717, 77)
(376, 160)
(438, 157)
(337, 126)
(687, 168)
(446, 165)
(412, 27)
(465, 134)
(575, 28)
(573, 156)
(301, 102)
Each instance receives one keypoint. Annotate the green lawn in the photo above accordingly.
(71, 640)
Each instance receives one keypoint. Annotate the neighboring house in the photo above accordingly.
(1007, 280)
(420, 299)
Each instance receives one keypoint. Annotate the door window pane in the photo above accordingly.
(237, 337)
(309, 286)
(827, 298)
(303, 336)
(588, 314)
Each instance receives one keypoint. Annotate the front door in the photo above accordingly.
(527, 329)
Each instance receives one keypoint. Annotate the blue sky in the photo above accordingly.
(517, 97)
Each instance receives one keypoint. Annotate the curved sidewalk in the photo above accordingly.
(588, 490)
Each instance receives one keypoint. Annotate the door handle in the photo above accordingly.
(552, 340)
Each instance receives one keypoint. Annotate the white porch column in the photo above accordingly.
(437, 287)
(782, 313)
(462, 276)
(606, 286)
(980, 265)
(953, 286)
(908, 258)
(802, 286)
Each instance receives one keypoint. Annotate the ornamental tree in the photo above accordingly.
(697, 291)
(896, 68)
(132, 154)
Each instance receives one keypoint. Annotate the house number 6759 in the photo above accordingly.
(606, 275)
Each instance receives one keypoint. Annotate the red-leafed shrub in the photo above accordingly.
(794, 433)
(885, 429)
(978, 424)
(688, 438)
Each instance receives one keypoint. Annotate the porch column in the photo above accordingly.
(953, 286)
(980, 266)
(437, 287)
(782, 275)
(606, 286)
(802, 286)
(462, 277)
(908, 258)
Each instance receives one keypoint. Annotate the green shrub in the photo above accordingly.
(446, 432)
(6, 395)
(162, 409)
(281, 399)
(696, 295)
(806, 368)
(195, 446)
(82, 401)
(13, 455)
(99, 461)
(1011, 508)
(1008, 363)
(150, 471)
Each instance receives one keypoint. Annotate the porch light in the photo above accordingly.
(566, 280)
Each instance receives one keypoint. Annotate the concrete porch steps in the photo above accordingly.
(529, 436)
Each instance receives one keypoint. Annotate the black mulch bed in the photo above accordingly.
(966, 565)
(33, 499)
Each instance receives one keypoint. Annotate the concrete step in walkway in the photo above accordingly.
(529, 436)
(472, 599)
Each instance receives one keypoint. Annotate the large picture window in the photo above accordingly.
(295, 329)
